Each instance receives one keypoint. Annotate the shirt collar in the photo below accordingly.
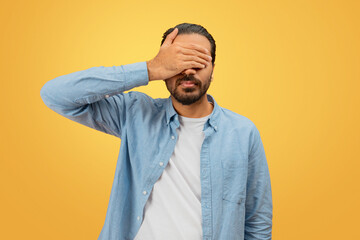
(213, 120)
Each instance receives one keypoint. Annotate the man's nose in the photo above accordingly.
(189, 71)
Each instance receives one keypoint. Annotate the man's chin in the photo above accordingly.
(187, 98)
(187, 94)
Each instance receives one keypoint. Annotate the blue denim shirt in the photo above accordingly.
(236, 198)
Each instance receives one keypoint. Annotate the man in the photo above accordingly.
(187, 168)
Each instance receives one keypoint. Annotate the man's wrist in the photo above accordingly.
(150, 70)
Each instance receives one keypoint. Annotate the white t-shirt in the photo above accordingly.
(173, 210)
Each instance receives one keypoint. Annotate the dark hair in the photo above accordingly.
(189, 28)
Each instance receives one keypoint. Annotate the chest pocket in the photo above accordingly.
(234, 179)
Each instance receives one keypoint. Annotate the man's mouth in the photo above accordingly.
(187, 83)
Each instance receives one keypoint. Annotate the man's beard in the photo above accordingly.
(187, 99)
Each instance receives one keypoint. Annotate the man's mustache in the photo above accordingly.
(188, 78)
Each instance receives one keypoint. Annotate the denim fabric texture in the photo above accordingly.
(236, 197)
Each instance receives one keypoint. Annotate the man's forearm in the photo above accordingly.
(93, 84)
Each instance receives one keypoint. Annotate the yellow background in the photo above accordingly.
(292, 67)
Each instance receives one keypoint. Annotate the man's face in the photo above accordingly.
(191, 85)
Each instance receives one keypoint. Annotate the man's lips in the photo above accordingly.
(187, 83)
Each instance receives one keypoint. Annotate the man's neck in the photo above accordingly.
(201, 108)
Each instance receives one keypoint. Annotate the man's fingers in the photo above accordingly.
(196, 59)
(170, 38)
(192, 64)
(192, 46)
(188, 52)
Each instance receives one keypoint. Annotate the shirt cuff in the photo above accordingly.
(136, 75)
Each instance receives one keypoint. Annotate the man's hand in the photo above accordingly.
(173, 58)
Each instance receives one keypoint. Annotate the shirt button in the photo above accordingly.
(172, 137)
(144, 192)
(138, 218)
(161, 163)
(107, 95)
(215, 127)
